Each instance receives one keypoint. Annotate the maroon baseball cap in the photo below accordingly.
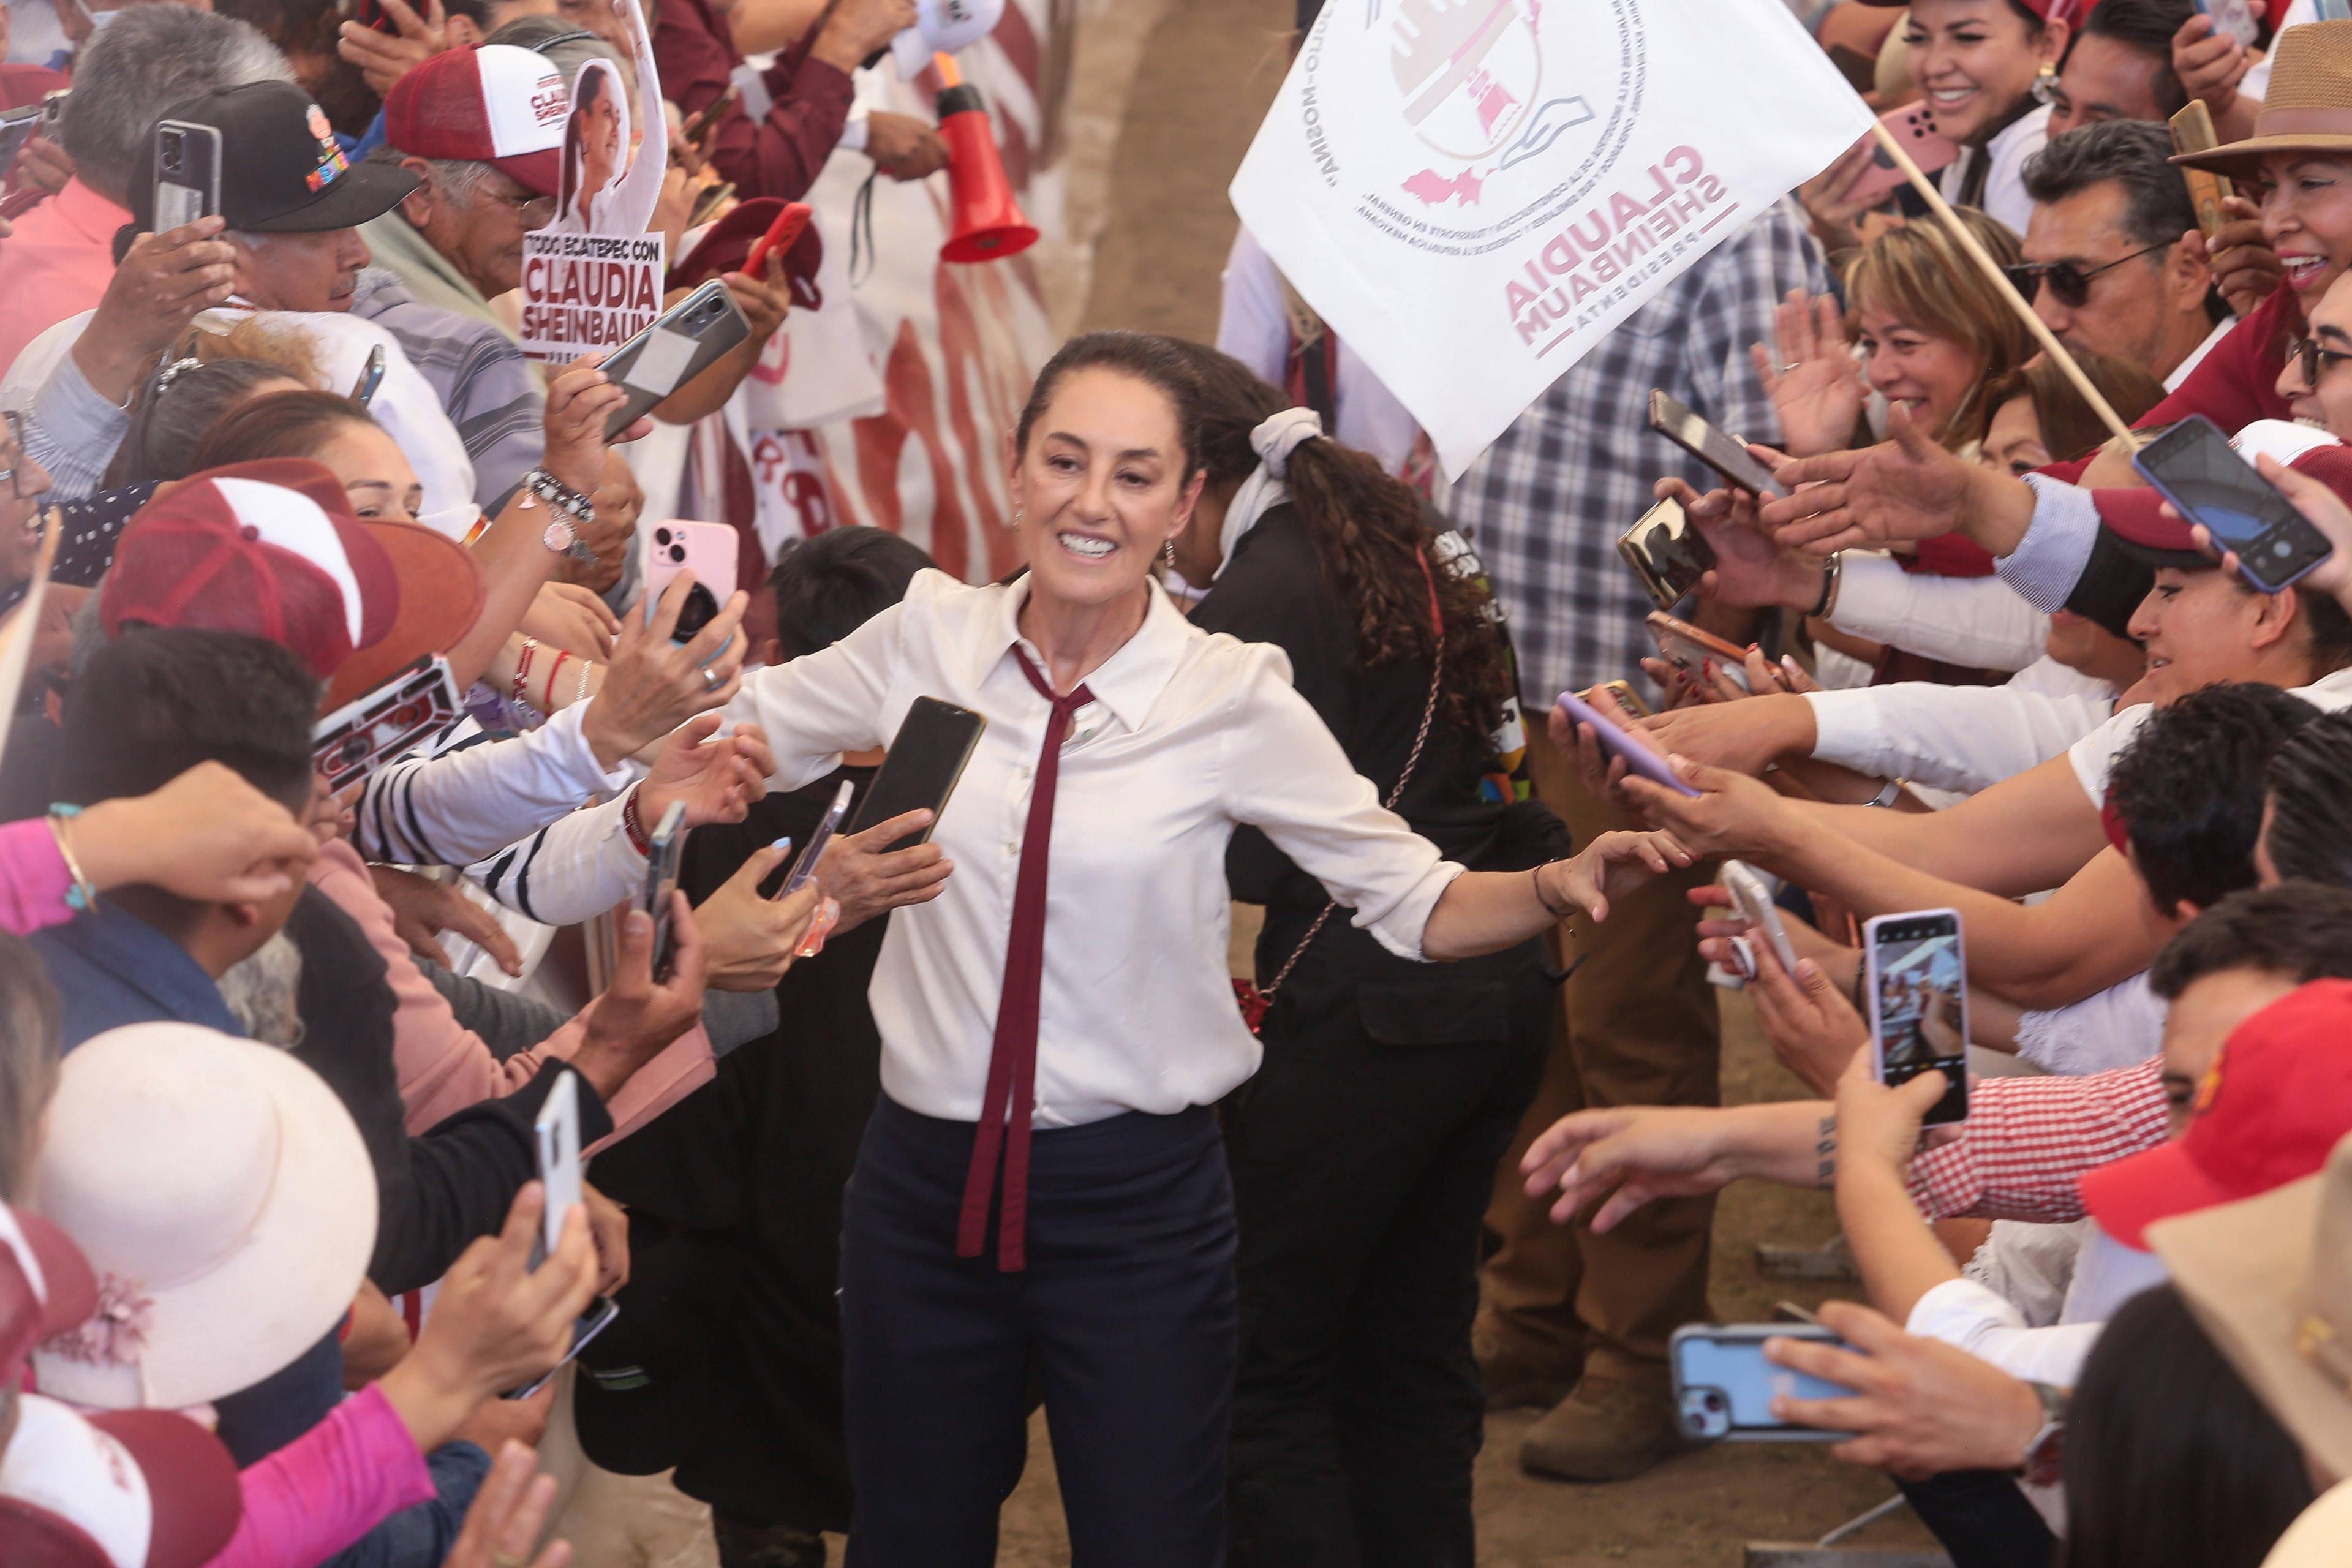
(496, 104)
(727, 244)
(129, 1489)
(271, 549)
(2138, 519)
(2277, 1098)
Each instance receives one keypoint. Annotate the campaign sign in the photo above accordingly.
(582, 293)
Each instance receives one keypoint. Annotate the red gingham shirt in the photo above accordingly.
(2028, 1140)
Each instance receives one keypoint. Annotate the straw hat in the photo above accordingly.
(2308, 109)
(2270, 1280)
(225, 1200)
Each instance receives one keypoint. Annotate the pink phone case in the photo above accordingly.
(1617, 743)
(1914, 128)
(705, 549)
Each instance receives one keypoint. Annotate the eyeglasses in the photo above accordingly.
(2315, 359)
(531, 210)
(2066, 281)
(18, 472)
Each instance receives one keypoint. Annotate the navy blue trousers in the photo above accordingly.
(1125, 1315)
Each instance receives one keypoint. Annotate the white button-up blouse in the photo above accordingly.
(1190, 734)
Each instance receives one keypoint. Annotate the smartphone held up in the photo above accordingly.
(1916, 983)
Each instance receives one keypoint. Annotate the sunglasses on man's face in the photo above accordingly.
(2069, 283)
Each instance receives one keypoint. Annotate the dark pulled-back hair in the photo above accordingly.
(2171, 1457)
(170, 426)
(1366, 527)
(2297, 931)
(2145, 27)
(2311, 802)
(2190, 788)
(157, 701)
(1155, 360)
(276, 425)
(828, 586)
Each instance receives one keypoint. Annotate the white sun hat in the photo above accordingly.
(225, 1204)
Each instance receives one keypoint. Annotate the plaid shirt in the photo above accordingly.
(1546, 503)
(2028, 1140)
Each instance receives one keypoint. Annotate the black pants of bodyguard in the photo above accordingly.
(1364, 1155)
(1125, 1315)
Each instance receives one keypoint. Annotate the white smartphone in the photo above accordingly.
(805, 866)
(1753, 897)
(2235, 17)
(1724, 1387)
(557, 1128)
(1915, 980)
(187, 173)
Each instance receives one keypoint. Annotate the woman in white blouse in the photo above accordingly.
(1104, 1259)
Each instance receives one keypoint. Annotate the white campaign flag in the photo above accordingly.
(1471, 192)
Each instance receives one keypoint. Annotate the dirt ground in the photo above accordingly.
(1204, 71)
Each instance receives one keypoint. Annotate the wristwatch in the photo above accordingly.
(2045, 1456)
(565, 507)
(561, 538)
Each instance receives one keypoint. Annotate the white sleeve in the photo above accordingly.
(459, 806)
(2118, 1027)
(1281, 771)
(1947, 737)
(1962, 1313)
(822, 704)
(2257, 83)
(2093, 756)
(1979, 621)
(573, 869)
(1253, 324)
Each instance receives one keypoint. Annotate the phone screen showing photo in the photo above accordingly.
(1920, 1005)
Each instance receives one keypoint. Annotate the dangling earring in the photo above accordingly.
(2045, 84)
(1168, 553)
(1016, 517)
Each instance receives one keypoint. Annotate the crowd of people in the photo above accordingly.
(974, 1118)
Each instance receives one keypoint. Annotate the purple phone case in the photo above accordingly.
(1613, 740)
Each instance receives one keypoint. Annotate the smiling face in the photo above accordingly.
(2199, 627)
(1930, 375)
(2324, 402)
(1976, 61)
(301, 271)
(374, 474)
(2306, 201)
(1100, 488)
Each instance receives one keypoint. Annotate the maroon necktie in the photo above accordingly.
(1013, 1057)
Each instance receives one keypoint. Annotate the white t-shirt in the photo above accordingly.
(2004, 187)
(2093, 756)
(2256, 82)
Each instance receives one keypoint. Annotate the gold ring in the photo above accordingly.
(502, 1559)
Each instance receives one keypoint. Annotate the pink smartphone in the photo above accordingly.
(1638, 756)
(705, 550)
(1929, 148)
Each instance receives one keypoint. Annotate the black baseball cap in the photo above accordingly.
(283, 170)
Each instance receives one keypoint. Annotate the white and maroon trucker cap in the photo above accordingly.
(131, 1488)
(496, 104)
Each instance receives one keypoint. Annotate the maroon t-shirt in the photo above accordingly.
(779, 155)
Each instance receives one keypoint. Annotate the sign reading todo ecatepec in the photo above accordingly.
(1472, 193)
(587, 291)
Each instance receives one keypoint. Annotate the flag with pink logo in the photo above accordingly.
(1472, 193)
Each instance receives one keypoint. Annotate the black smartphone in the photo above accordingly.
(371, 378)
(920, 770)
(703, 119)
(2193, 466)
(1710, 446)
(1915, 980)
(669, 842)
(17, 127)
(682, 344)
(187, 173)
(1666, 553)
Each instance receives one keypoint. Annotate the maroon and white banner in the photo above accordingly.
(1472, 193)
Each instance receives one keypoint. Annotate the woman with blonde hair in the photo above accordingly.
(1930, 333)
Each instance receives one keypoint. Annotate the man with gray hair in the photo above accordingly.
(57, 261)
(2113, 260)
(479, 132)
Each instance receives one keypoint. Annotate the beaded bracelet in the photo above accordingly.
(82, 893)
(634, 824)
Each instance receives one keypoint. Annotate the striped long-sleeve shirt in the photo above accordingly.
(489, 391)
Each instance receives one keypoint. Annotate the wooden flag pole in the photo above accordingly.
(2033, 323)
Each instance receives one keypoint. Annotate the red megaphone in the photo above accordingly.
(988, 222)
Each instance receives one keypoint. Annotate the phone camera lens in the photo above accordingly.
(677, 552)
(661, 536)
